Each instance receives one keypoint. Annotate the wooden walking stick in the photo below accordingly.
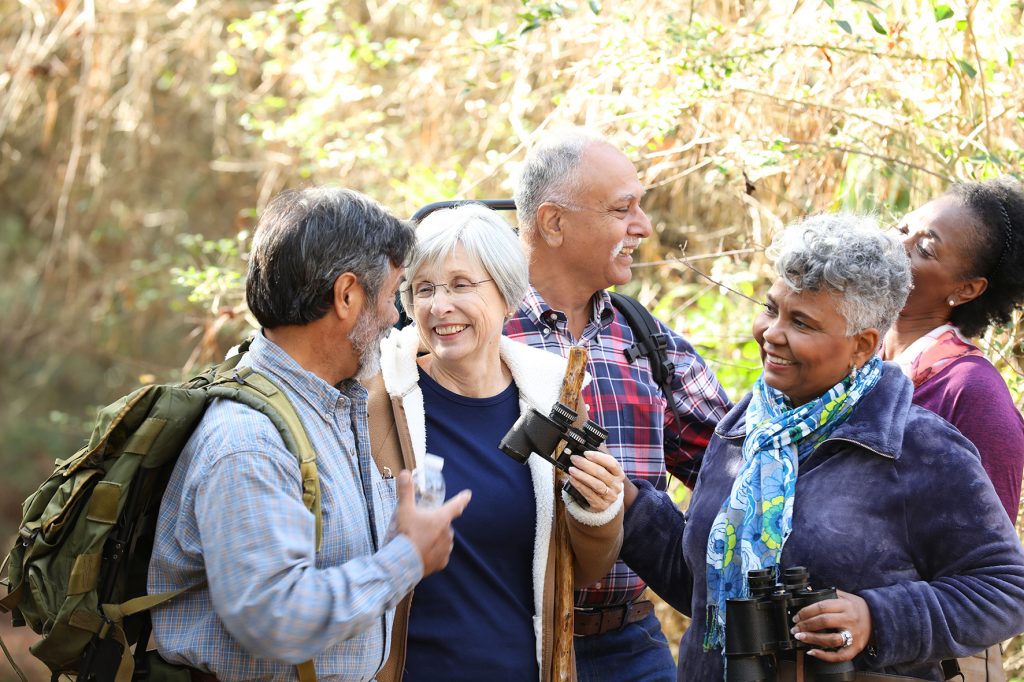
(562, 662)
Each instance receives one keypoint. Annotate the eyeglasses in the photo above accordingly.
(424, 291)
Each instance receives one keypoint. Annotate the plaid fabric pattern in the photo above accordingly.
(233, 515)
(623, 398)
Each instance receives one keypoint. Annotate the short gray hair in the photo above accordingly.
(484, 235)
(306, 239)
(848, 255)
(549, 171)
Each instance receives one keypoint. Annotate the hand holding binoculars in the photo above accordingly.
(757, 630)
(554, 438)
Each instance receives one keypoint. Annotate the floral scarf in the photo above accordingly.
(927, 356)
(756, 518)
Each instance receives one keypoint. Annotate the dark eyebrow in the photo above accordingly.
(932, 234)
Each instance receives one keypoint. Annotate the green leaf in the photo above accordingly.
(1009, 57)
(845, 25)
(877, 25)
(595, 6)
(967, 68)
(831, 3)
(870, 2)
(942, 12)
(961, 25)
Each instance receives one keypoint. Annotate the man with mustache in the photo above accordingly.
(578, 201)
(233, 529)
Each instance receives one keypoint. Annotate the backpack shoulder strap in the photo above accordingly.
(650, 342)
(254, 390)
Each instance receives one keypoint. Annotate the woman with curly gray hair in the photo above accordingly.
(827, 465)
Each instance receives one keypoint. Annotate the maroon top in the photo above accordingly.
(970, 394)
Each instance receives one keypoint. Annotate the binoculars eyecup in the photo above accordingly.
(757, 630)
(554, 438)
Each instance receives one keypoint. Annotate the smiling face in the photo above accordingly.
(460, 329)
(938, 239)
(804, 347)
(605, 223)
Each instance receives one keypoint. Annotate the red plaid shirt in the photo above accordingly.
(624, 399)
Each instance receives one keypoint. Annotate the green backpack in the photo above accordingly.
(78, 570)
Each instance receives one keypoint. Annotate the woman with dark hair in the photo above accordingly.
(966, 251)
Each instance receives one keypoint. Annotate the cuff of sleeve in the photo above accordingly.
(589, 518)
(403, 563)
(892, 608)
(644, 508)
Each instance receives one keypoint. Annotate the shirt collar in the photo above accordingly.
(545, 317)
(266, 356)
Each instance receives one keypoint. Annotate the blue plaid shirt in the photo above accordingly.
(233, 515)
(623, 398)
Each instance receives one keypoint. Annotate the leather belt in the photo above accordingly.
(597, 621)
(200, 676)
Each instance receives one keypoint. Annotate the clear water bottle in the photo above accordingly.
(429, 482)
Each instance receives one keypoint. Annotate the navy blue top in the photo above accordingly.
(474, 619)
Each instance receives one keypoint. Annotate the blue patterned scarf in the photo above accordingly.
(756, 518)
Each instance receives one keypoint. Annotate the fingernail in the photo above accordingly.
(800, 635)
(575, 458)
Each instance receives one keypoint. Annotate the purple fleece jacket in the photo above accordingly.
(970, 395)
(894, 507)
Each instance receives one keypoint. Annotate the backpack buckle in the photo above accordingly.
(28, 536)
(633, 352)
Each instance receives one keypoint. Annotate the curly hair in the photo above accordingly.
(867, 269)
(997, 207)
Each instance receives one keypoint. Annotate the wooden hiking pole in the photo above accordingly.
(562, 669)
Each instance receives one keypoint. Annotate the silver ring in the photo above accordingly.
(847, 638)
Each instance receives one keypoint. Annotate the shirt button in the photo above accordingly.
(597, 586)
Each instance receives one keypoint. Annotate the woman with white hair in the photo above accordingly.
(452, 386)
(826, 464)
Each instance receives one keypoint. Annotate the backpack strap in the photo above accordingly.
(650, 342)
(254, 390)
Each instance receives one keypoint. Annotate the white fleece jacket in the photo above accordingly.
(538, 376)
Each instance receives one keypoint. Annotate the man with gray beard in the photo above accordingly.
(323, 273)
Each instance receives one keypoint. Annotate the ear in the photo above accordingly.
(968, 290)
(348, 297)
(865, 343)
(549, 224)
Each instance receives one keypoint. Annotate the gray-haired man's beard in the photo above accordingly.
(366, 336)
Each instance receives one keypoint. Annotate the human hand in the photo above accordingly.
(430, 530)
(598, 477)
(846, 612)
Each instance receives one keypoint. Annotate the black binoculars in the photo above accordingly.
(757, 630)
(554, 438)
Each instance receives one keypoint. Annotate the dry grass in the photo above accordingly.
(125, 124)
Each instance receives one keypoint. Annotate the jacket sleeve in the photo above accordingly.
(595, 539)
(964, 548)
(652, 545)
